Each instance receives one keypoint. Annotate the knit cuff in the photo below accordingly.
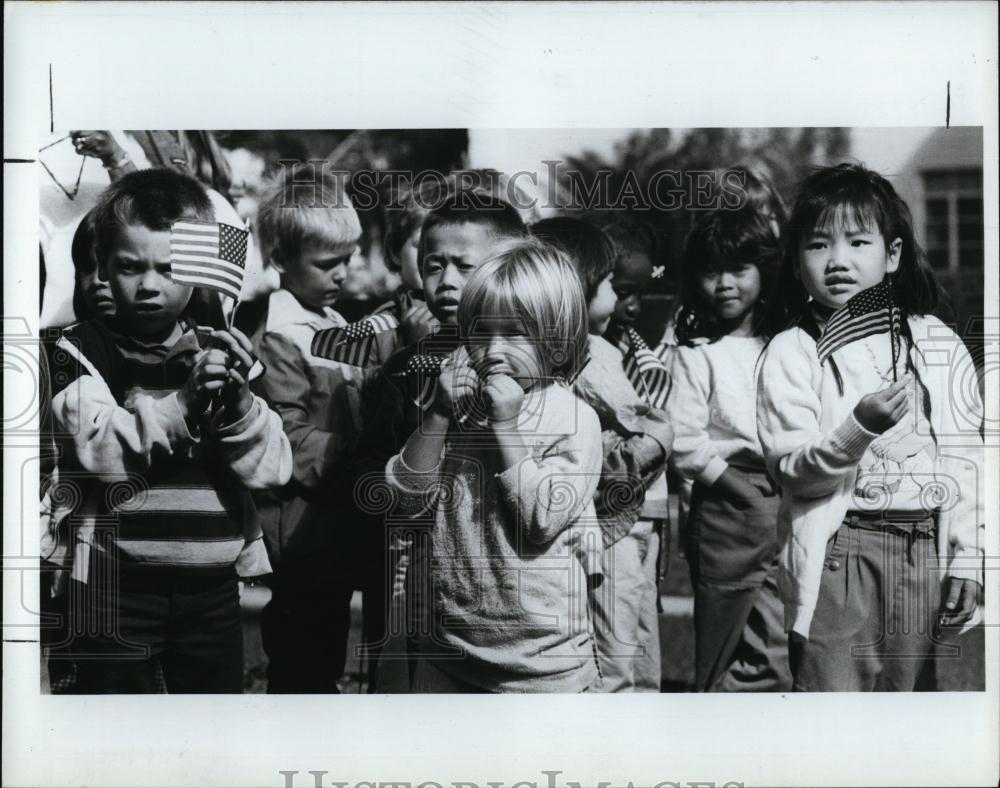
(715, 468)
(851, 438)
(401, 476)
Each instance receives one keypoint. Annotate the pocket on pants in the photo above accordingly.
(736, 545)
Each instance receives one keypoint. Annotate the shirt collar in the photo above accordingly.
(284, 309)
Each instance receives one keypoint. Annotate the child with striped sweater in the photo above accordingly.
(159, 427)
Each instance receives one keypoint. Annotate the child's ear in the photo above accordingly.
(895, 253)
(274, 261)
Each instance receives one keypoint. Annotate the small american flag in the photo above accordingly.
(648, 375)
(422, 370)
(209, 254)
(871, 311)
(353, 344)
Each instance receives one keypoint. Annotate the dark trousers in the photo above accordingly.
(304, 629)
(740, 644)
(187, 625)
(873, 628)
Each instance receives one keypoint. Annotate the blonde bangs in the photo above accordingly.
(536, 284)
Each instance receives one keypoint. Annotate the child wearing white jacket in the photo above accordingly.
(878, 460)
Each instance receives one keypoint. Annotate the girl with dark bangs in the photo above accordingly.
(882, 533)
(731, 242)
(732, 542)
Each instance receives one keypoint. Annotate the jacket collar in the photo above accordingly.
(284, 309)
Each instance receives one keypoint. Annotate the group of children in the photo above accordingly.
(485, 456)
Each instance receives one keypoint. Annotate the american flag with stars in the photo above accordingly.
(648, 375)
(209, 254)
(423, 370)
(353, 344)
(869, 312)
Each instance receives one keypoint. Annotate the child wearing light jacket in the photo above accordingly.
(877, 453)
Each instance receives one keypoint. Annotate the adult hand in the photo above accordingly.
(99, 144)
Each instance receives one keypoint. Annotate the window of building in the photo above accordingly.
(954, 217)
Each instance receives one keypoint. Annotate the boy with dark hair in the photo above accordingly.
(156, 416)
(455, 239)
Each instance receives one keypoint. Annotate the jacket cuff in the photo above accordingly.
(852, 438)
(715, 468)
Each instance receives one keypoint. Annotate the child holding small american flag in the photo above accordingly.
(877, 453)
(309, 231)
(157, 421)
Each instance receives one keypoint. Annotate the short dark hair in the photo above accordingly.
(82, 251)
(631, 235)
(404, 220)
(499, 217)
(153, 198)
(589, 248)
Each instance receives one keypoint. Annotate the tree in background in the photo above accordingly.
(785, 155)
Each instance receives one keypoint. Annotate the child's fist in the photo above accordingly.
(416, 323)
(209, 375)
(959, 603)
(503, 396)
(881, 410)
(457, 382)
(236, 396)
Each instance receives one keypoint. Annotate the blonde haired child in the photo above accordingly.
(507, 460)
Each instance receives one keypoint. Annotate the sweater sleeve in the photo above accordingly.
(548, 492)
(694, 455)
(800, 456)
(316, 453)
(255, 447)
(106, 439)
(415, 492)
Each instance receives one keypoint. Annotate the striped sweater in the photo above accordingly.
(148, 489)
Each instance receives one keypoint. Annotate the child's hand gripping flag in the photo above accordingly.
(209, 254)
(352, 344)
(869, 312)
(419, 377)
(644, 370)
